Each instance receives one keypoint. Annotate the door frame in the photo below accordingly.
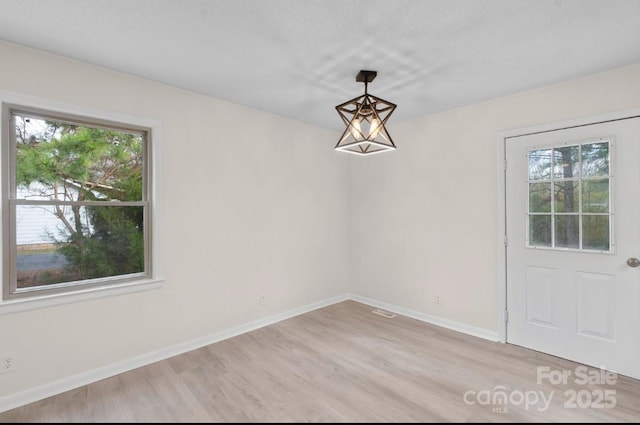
(501, 239)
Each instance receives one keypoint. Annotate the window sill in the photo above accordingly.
(19, 305)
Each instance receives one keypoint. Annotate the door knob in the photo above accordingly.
(633, 262)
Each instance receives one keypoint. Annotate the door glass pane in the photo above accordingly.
(540, 164)
(566, 162)
(595, 159)
(595, 232)
(567, 231)
(569, 196)
(540, 230)
(540, 197)
(595, 196)
(566, 195)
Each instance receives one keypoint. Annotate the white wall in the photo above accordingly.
(252, 204)
(424, 218)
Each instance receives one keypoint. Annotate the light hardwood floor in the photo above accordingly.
(338, 364)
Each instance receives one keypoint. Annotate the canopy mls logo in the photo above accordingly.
(500, 398)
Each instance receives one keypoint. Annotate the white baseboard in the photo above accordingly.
(424, 317)
(12, 401)
(31, 395)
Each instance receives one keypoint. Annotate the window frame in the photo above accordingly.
(16, 299)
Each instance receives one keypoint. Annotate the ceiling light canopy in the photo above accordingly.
(365, 118)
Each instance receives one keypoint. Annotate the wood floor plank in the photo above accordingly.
(338, 364)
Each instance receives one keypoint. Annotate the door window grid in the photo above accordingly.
(569, 197)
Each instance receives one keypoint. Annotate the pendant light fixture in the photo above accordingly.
(365, 118)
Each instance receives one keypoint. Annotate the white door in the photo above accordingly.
(573, 239)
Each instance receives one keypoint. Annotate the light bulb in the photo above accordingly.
(356, 132)
(375, 128)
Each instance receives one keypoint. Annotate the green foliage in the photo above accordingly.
(77, 163)
(115, 246)
(87, 159)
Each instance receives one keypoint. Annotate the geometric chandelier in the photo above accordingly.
(365, 118)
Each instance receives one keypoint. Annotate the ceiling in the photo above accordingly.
(299, 58)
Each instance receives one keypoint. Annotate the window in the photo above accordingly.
(76, 204)
(569, 202)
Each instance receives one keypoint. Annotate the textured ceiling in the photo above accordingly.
(299, 58)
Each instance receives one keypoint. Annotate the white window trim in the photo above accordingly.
(155, 279)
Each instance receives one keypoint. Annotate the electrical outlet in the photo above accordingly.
(437, 299)
(7, 363)
(263, 299)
